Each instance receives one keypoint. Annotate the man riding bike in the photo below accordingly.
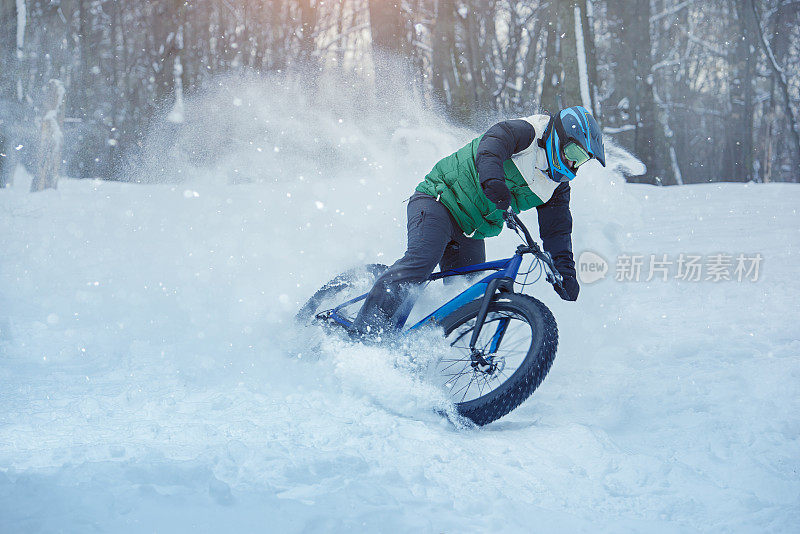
(516, 165)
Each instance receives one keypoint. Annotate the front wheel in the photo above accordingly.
(514, 352)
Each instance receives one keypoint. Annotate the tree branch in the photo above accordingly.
(780, 75)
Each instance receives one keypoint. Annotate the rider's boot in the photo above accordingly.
(371, 335)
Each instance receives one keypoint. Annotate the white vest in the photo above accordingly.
(532, 162)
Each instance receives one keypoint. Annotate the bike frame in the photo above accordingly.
(506, 269)
(502, 279)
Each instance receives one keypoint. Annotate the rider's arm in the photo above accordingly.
(498, 144)
(555, 229)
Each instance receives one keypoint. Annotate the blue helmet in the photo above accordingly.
(576, 125)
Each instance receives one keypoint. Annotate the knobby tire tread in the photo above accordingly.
(531, 372)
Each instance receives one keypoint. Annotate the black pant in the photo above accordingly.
(434, 237)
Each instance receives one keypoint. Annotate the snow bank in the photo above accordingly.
(151, 377)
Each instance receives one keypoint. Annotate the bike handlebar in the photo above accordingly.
(515, 223)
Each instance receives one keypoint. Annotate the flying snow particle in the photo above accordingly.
(319, 204)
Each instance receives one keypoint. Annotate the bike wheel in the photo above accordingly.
(485, 391)
(342, 288)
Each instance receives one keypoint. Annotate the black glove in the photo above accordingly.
(569, 288)
(497, 191)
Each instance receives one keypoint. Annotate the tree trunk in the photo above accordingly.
(784, 148)
(389, 47)
(8, 79)
(176, 115)
(582, 55)
(587, 13)
(308, 22)
(443, 42)
(737, 160)
(8, 50)
(165, 47)
(561, 87)
(635, 115)
(51, 139)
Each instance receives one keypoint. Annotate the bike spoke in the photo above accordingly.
(487, 380)
(462, 388)
(520, 351)
(511, 345)
(470, 383)
(468, 386)
(452, 364)
(465, 367)
(461, 373)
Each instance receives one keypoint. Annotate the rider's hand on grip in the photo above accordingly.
(497, 191)
(508, 217)
(568, 289)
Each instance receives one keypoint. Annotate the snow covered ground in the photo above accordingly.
(151, 378)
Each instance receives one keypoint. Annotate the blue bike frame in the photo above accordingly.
(505, 269)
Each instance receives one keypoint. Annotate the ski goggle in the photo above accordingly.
(576, 154)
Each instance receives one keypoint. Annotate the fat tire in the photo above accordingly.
(336, 285)
(530, 373)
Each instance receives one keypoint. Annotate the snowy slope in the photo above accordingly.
(151, 378)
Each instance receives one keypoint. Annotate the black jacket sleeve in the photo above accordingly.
(499, 143)
(555, 229)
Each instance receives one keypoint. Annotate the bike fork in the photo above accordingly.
(503, 284)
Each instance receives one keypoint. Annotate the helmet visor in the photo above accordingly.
(576, 154)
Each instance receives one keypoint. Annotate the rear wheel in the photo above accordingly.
(348, 285)
(491, 381)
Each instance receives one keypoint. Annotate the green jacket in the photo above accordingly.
(454, 182)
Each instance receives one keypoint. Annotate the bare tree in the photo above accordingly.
(390, 46)
(700, 90)
(562, 77)
(737, 162)
(780, 79)
(632, 112)
(51, 138)
(8, 48)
